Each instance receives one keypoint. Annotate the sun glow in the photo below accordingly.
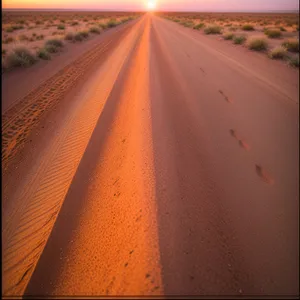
(151, 5)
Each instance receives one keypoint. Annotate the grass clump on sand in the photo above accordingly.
(199, 26)
(279, 52)
(53, 45)
(291, 44)
(103, 25)
(248, 27)
(8, 40)
(74, 23)
(294, 62)
(228, 35)
(69, 36)
(43, 54)
(54, 42)
(51, 48)
(232, 28)
(61, 27)
(212, 29)
(20, 57)
(79, 36)
(189, 24)
(273, 33)
(257, 43)
(94, 29)
(239, 39)
(112, 23)
(282, 29)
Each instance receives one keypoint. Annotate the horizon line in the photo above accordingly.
(127, 10)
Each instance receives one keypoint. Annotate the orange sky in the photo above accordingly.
(198, 5)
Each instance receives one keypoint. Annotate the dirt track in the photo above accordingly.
(162, 162)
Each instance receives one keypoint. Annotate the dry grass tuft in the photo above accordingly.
(257, 43)
(279, 52)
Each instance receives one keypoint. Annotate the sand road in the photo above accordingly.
(159, 162)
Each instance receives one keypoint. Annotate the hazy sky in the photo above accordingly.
(180, 5)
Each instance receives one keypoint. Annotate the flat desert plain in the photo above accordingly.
(150, 154)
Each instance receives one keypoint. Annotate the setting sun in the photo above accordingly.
(151, 5)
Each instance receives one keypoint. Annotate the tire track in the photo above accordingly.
(26, 230)
(18, 121)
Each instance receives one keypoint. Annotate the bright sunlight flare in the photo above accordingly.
(151, 5)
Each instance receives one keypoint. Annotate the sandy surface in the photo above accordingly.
(170, 167)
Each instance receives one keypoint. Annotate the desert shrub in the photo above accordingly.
(273, 33)
(20, 57)
(43, 54)
(4, 52)
(239, 39)
(103, 25)
(176, 20)
(212, 29)
(94, 30)
(248, 27)
(69, 36)
(23, 37)
(228, 35)
(291, 44)
(78, 37)
(282, 28)
(294, 62)
(232, 28)
(17, 27)
(84, 33)
(51, 48)
(55, 42)
(9, 29)
(40, 37)
(74, 23)
(187, 23)
(112, 23)
(38, 22)
(257, 43)
(279, 52)
(61, 27)
(198, 26)
(8, 40)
